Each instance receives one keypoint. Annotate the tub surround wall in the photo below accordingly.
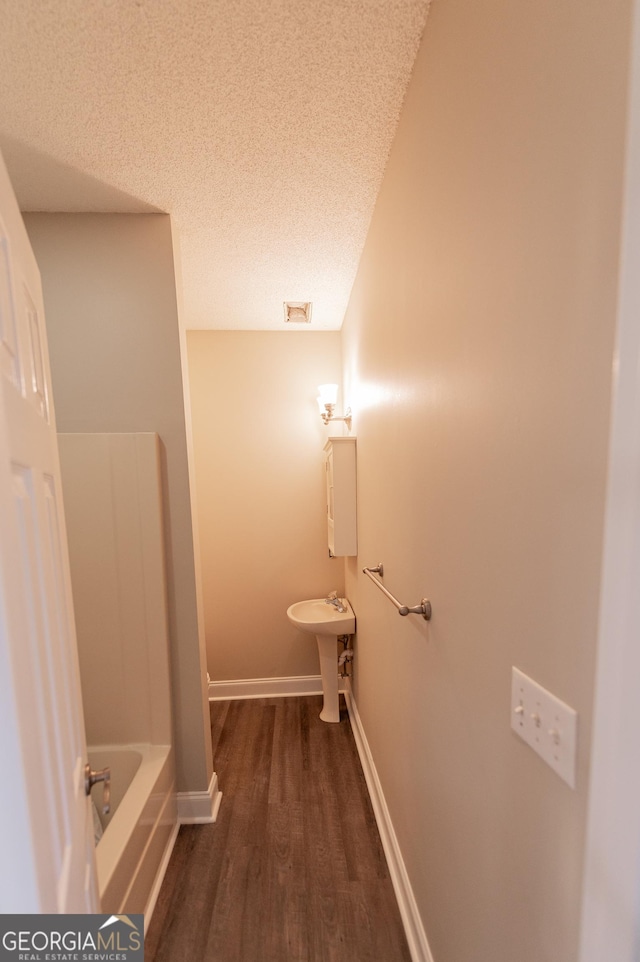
(477, 356)
(112, 321)
(113, 507)
(258, 442)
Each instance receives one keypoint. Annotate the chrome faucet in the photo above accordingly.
(338, 604)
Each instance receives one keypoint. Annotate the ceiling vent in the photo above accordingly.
(297, 312)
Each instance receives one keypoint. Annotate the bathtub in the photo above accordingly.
(141, 827)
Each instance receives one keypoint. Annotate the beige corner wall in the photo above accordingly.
(478, 354)
(114, 341)
(258, 443)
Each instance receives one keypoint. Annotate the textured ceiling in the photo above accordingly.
(261, 126)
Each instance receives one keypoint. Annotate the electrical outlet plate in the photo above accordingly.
(546, 724)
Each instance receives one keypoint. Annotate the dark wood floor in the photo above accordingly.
(293, 869)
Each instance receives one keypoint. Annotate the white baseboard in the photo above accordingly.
(199, 808)
(414, 930)
(265, 687)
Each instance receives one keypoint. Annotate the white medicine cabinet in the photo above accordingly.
(340, 467)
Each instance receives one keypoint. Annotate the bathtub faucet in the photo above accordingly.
(332, 599)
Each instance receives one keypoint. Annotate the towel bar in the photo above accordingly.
(424, 608)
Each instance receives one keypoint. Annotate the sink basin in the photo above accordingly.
(319, 618)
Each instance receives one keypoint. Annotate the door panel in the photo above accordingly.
(9, 361)
(45, 816)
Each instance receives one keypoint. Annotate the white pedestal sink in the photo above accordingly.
(325, 622)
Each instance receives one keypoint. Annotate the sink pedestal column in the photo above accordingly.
(328, 651)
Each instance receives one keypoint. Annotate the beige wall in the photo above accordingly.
(258, 442)
(478, 353)
(112, 322)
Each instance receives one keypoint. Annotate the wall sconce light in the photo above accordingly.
(327, 405)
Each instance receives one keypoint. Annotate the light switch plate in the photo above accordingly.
(546, 724)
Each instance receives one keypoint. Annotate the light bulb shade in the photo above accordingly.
(328, 393)
(321, 406)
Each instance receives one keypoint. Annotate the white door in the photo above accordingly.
(46, 840)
